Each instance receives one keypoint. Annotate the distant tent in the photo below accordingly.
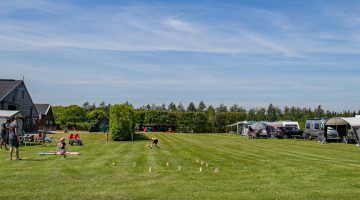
(258, 126)
(240, 127)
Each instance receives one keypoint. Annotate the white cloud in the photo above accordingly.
(123, 30)
(179, 25)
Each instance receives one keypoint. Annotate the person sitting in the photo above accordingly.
(77, 139)
(62, 147)
(32, 138)
(71, 139)
(40, 136)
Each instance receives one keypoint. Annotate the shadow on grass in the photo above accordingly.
(140, 136)
(32, 159)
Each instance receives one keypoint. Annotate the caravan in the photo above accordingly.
(314, 128)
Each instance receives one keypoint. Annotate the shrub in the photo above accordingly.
(122, 122)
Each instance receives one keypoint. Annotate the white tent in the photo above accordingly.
(241, 127)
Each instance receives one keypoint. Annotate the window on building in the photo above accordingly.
(12, 107)
(23, 95)
(316, 125)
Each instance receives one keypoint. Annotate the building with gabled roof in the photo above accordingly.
(46, 117)
(15, 96)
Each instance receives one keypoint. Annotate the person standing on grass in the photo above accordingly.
(14, 140)
(62, 147)
(4, 133)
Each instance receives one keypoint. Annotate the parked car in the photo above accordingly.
(332, 133)
(288, 131)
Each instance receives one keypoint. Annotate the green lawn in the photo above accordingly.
(248, 169)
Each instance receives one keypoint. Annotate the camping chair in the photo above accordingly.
(25, 139)
(22, 138)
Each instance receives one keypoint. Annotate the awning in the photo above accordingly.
(10, 113)
(275, 124)
(338, 121)
(5, 114)
(240, 123)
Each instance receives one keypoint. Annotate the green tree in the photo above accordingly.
(286, 115)
(202, 106)
(261, 114)
(221, 122)
(186, 122)
(153, 107)
(191, 107)
(200, 122)
(211, 119)
(251, 114)
(180, 107)
(236, 108)
(74, 114)
(122, 122)
(172, 107)
(96, 115)
(140, 117)
(221, 108)
(59, 114)
(86, 105)
(162, 107)
(271, 114)
(319, 112)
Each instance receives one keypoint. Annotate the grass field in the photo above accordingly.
(248, 169)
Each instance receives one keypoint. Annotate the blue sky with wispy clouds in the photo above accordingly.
(250, 52)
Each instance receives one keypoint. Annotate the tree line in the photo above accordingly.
(199, 118)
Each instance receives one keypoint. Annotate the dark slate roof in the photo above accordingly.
(6, 86)
(42, 108)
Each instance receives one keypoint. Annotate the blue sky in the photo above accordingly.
(253, 53)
